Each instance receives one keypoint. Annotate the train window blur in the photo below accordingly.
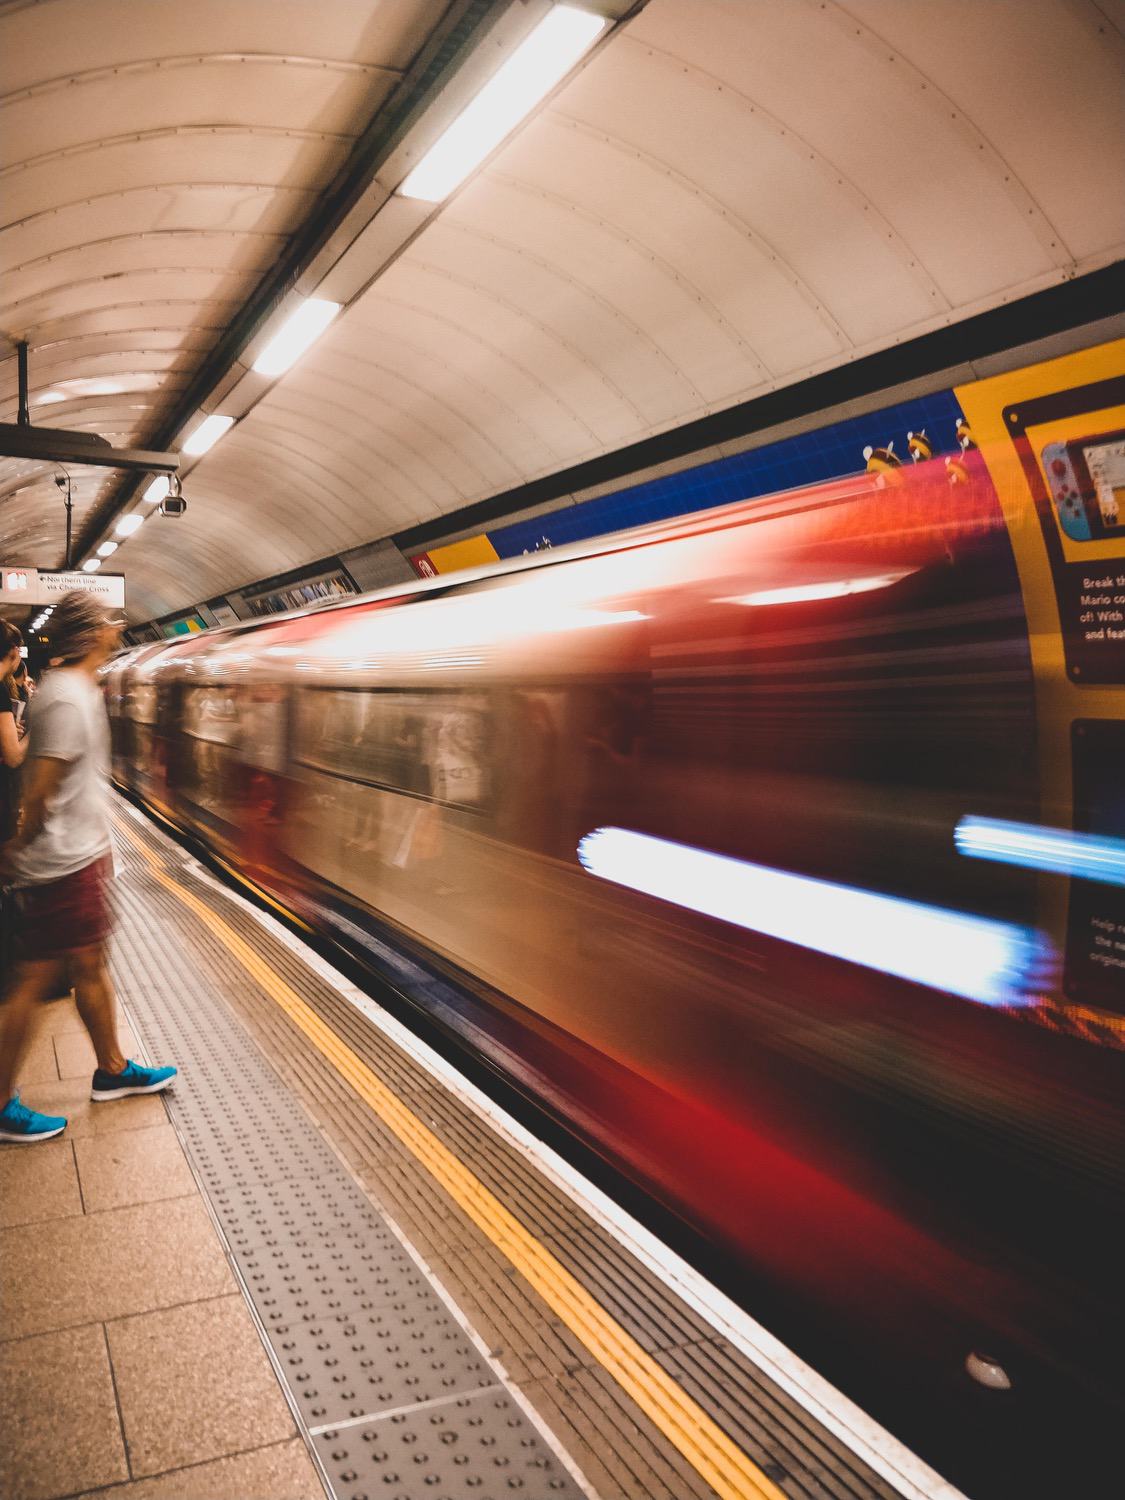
(210, 719)
(429, 745)
(210, 714)
(140, 703)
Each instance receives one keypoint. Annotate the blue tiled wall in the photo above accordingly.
(810, 458)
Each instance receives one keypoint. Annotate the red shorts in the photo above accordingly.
(62, 915)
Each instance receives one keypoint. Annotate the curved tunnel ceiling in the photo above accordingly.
(732, 195)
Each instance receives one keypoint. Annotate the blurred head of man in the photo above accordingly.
(83, 632)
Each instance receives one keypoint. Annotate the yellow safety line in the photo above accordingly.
(708, 1449)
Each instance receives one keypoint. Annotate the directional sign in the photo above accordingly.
(32, 586)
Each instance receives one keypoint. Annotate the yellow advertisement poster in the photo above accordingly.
(1053, 439)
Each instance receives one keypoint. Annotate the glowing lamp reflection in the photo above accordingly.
(990, 962)
(1087, 856)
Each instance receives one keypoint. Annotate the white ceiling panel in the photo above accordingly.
(156, 160)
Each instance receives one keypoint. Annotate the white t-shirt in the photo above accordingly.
(68, 723)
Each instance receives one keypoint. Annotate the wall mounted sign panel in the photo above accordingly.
(32, 586)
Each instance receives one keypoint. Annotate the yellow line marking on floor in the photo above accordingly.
(714, 1456)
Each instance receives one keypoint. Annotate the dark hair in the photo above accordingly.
(10, 637)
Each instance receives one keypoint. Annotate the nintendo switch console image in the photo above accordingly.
(1086, 477)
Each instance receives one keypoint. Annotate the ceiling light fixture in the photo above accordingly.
(207, 434)
(532, 71)
(128, 524)
(91, 565)
(156, 490)
(107, 549)
(295, 335)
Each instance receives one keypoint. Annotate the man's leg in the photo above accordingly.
(116, 1077)
(97, 1005)
(19, 1016)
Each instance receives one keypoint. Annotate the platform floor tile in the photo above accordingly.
(194, 1384)
(37, 1184)
(132, 1166)
(283, 1471)
(68, 1437)
(99, 1266)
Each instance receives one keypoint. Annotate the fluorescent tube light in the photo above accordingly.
(91, 565)
(128, 524)
(156, 490)
(537, 64)
(295, 335)
(107, 549)
(207, 434)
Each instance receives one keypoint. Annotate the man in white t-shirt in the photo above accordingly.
(60, 863)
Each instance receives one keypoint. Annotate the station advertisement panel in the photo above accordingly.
(1053, 438)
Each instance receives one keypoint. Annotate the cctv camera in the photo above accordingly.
(173, 505)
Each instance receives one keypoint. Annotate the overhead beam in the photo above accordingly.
(59, 445)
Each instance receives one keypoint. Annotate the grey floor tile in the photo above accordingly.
(108, 1265)
(132, 1166)
(59, 1430)
(37, 1183)
(75, 1052)
(39, 1064)
(283, 1471)
(194, 1384)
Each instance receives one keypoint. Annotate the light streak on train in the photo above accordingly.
(1086, 856)
(980, 959)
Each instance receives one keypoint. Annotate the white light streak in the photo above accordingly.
(207, 434)
(1088, 856)
(295, 335)
(532, 71)
(156, 490)
(832, 588)
(978, 958)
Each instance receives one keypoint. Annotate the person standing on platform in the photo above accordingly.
(60, 863)
(13, 746)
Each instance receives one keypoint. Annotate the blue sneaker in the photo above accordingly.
(133, 1079)
(18, 1123)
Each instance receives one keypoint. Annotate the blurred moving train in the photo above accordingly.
(666, 830)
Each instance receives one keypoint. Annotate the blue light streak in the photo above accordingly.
(978, 958)
(1088, 856)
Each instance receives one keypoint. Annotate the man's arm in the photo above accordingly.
(41, 781)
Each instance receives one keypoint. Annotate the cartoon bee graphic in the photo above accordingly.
(919, 446)
(883, 463)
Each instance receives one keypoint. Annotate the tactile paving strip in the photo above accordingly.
(361, 1336)
(474, 1447)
